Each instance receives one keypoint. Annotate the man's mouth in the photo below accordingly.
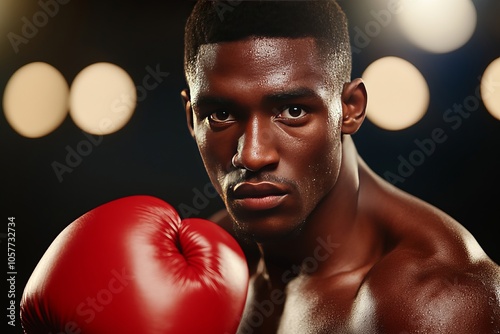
(256, 196)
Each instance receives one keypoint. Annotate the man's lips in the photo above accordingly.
(259, 195)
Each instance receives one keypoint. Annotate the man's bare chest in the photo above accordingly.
(298, 308)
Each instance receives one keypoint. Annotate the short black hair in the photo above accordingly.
(215, 21)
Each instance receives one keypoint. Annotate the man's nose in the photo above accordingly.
(256, 146)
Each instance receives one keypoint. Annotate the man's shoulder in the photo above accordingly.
(416, 272)
(416, 292)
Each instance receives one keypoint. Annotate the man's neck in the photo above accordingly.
(333, 239)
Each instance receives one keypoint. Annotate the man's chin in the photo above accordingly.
(264, 230)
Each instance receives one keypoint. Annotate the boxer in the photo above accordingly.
(332, 247)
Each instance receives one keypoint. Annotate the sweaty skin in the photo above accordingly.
(332, 247)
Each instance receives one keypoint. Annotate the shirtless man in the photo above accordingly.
(332, 247)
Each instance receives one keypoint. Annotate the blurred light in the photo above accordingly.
(102, 98)
(35, 100)
(11, 14)
(438, 26)
(490, 88)
(398, 94)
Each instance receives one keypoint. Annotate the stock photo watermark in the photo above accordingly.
(88, 309)
(382, 19)
(453, 119)
(11, 272)
(31, 26)
(104, 297)
(265, 308)
(201, 200)
(74, 154)
(223, 7)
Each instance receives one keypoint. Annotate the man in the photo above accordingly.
(272, 108)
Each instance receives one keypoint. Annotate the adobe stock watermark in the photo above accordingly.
(222, 7)
(381, 20)
(74, 156)
(30, 27)
(105, 296)
(453, 119)
(202, 196)
(118, 107)
(89, 308)
(150, 81)
(201, 200)
(265, 308)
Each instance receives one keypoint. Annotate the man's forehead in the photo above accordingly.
(254, 58)
(261, 44)
(263, 66)
(258, 48)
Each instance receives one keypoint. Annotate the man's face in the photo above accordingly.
(266, 120)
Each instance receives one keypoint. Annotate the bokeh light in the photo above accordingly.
(398, 94)
(490, 88)
(102, 99)
(438, 26)
(35, 100)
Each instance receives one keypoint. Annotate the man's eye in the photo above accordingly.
(293, 112)
(221, 116)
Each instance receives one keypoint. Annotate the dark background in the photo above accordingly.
(155, 155)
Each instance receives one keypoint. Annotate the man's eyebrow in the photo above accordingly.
(281, 96)
(207, 100)
(301, 92)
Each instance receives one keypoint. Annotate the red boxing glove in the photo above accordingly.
(132, 266)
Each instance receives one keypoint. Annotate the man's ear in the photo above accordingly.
(354, 100)
(186, 102)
